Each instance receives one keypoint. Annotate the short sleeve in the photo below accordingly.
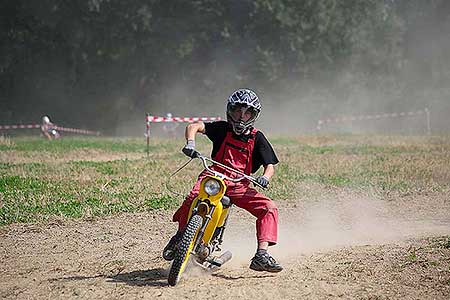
(216, 132)
(263, 153)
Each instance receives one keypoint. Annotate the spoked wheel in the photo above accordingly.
(184, 249)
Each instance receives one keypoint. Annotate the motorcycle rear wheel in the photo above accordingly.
(184, 250)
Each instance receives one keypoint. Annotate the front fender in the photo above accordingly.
(204, 204)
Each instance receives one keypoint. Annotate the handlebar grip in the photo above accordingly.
(196, 154)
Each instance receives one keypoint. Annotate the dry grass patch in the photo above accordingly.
(88, 176)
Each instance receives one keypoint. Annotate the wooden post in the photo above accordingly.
(427, 113)
(147, 133)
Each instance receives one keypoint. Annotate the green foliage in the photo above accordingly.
(160, 201)
(412, 255)
(105, 168)
(9, 184)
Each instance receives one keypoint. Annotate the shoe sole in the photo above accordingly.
(265, 270)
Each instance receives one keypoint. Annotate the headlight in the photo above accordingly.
(212, 187)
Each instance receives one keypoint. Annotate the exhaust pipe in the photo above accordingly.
(219, 261)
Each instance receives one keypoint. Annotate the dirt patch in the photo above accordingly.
(342, 247)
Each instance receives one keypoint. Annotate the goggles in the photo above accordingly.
(243, 109)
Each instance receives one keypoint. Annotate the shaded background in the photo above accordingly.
(102, 64)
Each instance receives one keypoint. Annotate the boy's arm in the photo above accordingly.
(189, 134)
(269, 170)
(192, 129)
(264, 179)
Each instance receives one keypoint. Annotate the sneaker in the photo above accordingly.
(170, 249)
(265, 262)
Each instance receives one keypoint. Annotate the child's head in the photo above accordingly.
(243, 108)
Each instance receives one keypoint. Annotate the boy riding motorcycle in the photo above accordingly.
(237, 144)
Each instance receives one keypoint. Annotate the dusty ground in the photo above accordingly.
(339, 247)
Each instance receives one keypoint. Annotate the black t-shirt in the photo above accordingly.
(263, 153)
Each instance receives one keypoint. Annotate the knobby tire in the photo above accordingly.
(184, 250)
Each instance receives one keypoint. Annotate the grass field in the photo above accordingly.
(87, 177)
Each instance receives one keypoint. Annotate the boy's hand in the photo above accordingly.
(189, 149)
(263, 181)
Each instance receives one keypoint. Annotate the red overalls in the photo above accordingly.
(238, 155)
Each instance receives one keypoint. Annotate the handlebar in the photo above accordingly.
(243, 176)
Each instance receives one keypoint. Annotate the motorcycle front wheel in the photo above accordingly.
(184, 250)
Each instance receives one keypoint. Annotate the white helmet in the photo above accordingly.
(169, 115)
(45, 119)
(243, 99)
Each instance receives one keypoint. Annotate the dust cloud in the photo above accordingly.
(341, 221)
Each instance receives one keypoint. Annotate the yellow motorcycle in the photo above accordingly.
(208, 218)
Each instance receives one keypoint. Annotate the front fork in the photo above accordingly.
(221, 230)
(216, 240)
(200, 234)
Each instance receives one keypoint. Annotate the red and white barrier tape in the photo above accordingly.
(76, 130)
(373, 117)
(38, 126)
(156, 119)
(20, 126)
